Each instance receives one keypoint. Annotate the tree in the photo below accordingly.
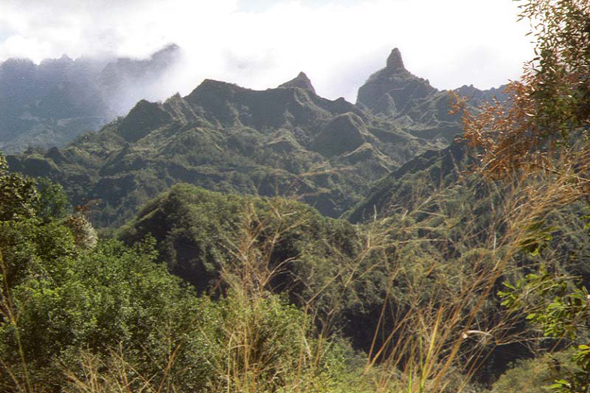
(545, 129)
(549, 107)
(60, 299)
(17, 193)
(110, 318)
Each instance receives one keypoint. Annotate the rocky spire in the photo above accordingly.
(301, 81)
(394, 90)
(394, 61)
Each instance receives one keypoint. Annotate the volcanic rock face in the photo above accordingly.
(396, 94)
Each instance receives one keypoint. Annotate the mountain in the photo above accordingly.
(125, 81)
(51, 103)
(395, 93)
(476, 96)
(285, 141)
(301, 81)
(425, 240)
(197, 233)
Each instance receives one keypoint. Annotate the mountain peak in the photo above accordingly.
(301, 81)
(394, 91)
(65, 58)
(394, 61)
(167, 51)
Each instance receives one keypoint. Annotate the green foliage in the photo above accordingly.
(563, 306)
(549, 114)
(532, 375)
(58, 300)
(562, 310)
(53, 202)
(265, 344)
(109, 318)
(561, 65)
(202, 235)
(64, 300)
(18, 194)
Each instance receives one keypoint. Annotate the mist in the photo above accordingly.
(261, 44)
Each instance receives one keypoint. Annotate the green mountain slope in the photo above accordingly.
(415, 181)
(199, 233)
(284, 141)
(440, 191)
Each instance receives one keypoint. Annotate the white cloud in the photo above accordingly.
(338, 44)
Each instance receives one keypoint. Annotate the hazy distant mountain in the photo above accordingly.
(125, 81)
(477, 96)
(51, 103)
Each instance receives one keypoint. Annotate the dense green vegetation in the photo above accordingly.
(83, 316)
(112, 306)
(80, 315)
(461, 269)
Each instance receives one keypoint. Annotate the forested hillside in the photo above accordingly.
(286, 141)
(273, 240)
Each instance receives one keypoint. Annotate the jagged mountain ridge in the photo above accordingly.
(395, 93)
(284, 141)
(51, 103)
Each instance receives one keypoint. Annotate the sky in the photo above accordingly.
(260, 44)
